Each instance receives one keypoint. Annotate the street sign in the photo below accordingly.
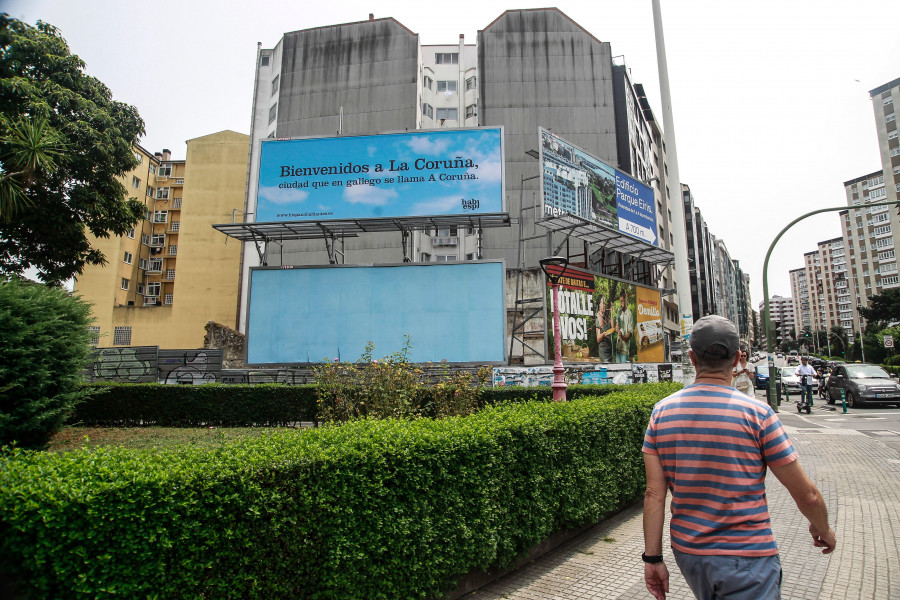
(888, 341)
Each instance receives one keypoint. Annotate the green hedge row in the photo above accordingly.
(129, 405)
(269, 405)
(375, 509)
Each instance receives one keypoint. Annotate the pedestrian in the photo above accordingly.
(741, 375)
(710, 446)
(806, 374)
(624, 329)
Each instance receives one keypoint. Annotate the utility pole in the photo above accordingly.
(675, 199)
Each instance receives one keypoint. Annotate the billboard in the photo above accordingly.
(452, 311)
(577, 183)
(422, 173)
(605, 320)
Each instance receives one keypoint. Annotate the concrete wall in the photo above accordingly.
(538, 68)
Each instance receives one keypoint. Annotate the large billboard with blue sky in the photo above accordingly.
(422, 173)
(450, 311)
(574, 182)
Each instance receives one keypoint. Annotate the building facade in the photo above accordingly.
(884, 101)
(173, 273)
(782, 317)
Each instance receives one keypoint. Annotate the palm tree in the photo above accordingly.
(29, 148)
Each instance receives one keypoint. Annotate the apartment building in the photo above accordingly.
(701, 258)
(800, 295)
(870, 235)
(831, 287)
(884, 100)
(173, 273)
(782, 316)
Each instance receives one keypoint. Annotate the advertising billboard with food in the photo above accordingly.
(605, 320)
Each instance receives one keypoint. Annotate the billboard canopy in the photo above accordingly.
(607, 238)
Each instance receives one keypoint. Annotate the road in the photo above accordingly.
(878, 422)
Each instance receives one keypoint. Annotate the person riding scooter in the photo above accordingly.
(806, 374)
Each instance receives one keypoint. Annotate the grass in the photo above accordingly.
(152, 438)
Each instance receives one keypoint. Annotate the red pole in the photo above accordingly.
(559, 380)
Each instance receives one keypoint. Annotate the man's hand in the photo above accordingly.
(657, 579)
(826, 540)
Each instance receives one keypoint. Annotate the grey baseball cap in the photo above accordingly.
(715, 337)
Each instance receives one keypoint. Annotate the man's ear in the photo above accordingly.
(737, 359)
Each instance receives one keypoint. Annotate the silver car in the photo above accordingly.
(789, 380)
(862, 384)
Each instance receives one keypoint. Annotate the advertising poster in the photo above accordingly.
(605, 320)
(423, 173)
(577, 183)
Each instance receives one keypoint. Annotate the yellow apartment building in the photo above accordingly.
(173, 273)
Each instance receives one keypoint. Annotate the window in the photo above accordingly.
(142, 264)
(155, 265)
(158, 239)
(890, 118)
(447, 113)
(162, 193)
(124, 284)
(153, 288)
(150, 191)
(424, 257)
(153, 169)
(130, 233)
(470, 111)
(170, 274)
(427, 82)
(170, 298)
(95, 335)
(135, 182)
(160, 216)
(264, 61)
(165, 170)
(892, 135)
(145, 239)
(138, 157)
(140, 288)
(175, 226)
(275, 85)
(446, 86)
(445, 258)
(128, 258)
(887, 101)
(427, 110)
(273, 110)
(173, 250)
(176, 203)
(446, 58)
(121, 336)
(470, 83)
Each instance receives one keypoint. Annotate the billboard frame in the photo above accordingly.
(548, 327)
(503, 286)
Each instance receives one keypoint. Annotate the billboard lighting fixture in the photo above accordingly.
(559, 261)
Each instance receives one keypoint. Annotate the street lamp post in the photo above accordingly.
(559, 379)
(859, 318)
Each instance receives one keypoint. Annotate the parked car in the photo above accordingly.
(862, 384)
(793, 360)
(789, 381)
(779, 355)
(761, 376)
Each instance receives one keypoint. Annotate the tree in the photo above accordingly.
(884, 307)
(44, 346)
(63, 143)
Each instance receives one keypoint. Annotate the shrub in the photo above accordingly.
(44, 346)
(369, 509)
(130, 405)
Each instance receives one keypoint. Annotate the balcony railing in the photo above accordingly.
(445, 241)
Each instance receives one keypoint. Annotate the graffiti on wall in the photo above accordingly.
(188, 367)
(137, 364)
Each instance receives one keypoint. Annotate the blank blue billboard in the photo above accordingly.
(451, 311)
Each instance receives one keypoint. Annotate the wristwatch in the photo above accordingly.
(653, 560)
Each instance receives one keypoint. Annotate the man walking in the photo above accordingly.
(711, 445)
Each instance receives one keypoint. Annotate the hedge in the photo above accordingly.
(268, 405)
(129, 405)
(369, 509)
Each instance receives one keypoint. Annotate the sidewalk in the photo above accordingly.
(860, 479)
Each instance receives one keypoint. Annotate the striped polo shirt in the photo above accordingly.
(714, 444)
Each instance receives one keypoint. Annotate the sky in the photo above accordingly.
(770, 98)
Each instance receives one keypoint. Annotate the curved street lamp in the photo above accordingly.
(559, 379)
(770, 338)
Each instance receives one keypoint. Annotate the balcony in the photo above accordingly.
(445, 241)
